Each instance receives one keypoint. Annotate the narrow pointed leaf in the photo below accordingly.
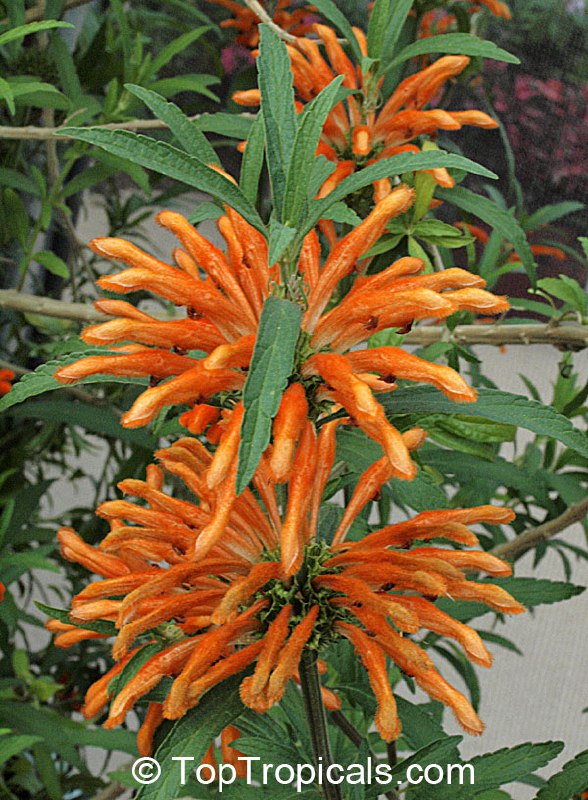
(188, 136)
(191, 736)
(277, 110)
(502, 221)
(464, 44)
(271, 366)
(512, 409)
(161, 157)
(386, 168)
(304, 151)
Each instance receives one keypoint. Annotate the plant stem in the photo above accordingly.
(317, 721)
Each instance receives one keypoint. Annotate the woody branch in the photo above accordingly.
(564, 335)
(535, 536)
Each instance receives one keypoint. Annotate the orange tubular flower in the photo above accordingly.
(224, 582)
(245, 601)
(355, 134)
(222, 316)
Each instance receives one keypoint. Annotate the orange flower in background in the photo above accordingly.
(222, 316)
(245, 21)
(6, 378)
(483, 237)
(356, 133)
(243, 599)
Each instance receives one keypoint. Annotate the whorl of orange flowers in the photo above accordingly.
(246, 22)
(356, 133)
(228, 582)
(222, 315)
(247, 602)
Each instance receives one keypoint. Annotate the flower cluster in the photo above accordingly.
(356, 132)
(222, 582)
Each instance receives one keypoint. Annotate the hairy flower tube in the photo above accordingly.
(240, 605)
(356, 132)
(223, 294)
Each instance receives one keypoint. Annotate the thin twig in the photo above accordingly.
(531, 538)
(571, 335)
(33, 304)
(566, 335)
(39, 133)
(38, 12)
(260, 11)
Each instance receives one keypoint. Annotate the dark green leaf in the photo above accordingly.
(502, 221)
(491, 404)
(329, 11)
(97, 626)
(377, 28)
(551, 213)
(167, 160)
(386, 168)
(572, 780)
(42, 380)
(174, 47)
(12, 745)
(104, 422)
(192, 735)
(280, 237)
(493, 770)
(252, 163)
(530, 592)
(271, 366)
(465, 44)
(52, 263)
(277, 111)
(189, 137)
(304, 152)
(399, 12)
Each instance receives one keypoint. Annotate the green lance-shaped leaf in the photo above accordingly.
(307, 139)
(42, 380)
(386, 168)
(277, 110)
(188, 136)
(97, 626)
(378, 27)
(399, 12)
(104, 421)
(464, 44)
(167, 160)
(502, 221)
(252, 162)
(328, 10)
(33, 27)
(572, 780)
(271, 366)
(191, 736)
(493, 404)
